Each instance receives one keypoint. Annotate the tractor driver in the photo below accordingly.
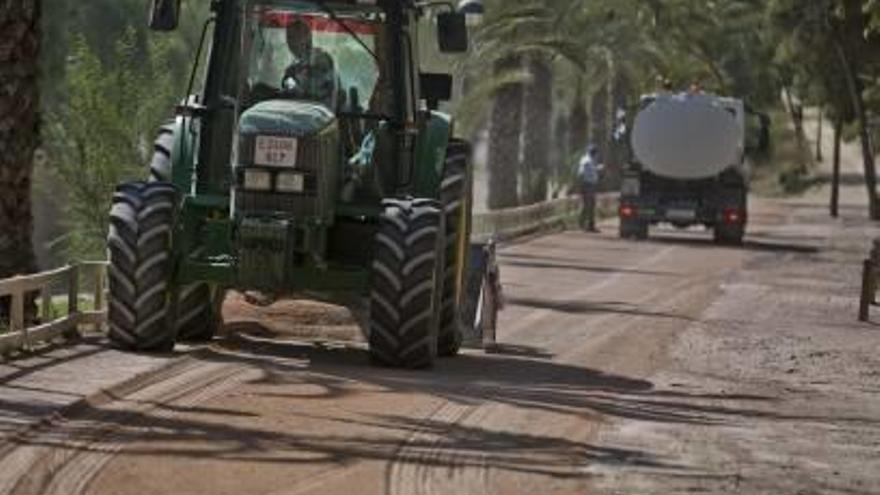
(312, 74)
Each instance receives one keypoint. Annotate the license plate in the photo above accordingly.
(681, 214)
(275, 151)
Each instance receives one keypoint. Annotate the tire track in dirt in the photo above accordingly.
(64, 455)
(427, 449)
(430, 463)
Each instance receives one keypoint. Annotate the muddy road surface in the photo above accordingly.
(667, 366)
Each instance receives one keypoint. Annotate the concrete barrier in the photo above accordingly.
(514, 222)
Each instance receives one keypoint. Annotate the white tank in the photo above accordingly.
(689, 136)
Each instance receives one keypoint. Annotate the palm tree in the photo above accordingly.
(517, 42)
(829, 34)
(537, 133)
(19, 99)
(505, 125)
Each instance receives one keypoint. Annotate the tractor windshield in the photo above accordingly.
(303, 52)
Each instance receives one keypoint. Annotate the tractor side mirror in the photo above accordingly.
(164, 15)
(452, 32)
(435, 88)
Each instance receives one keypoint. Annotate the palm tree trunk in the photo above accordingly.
(537, 115)
(848, 42)
(504, 139)
(578, 122)
(19, 97)
(599, 121)
(578, 129)
(819, 125)
(560, 155)
(850, 71)
(835, 174)
(616, 149)
(793, 112)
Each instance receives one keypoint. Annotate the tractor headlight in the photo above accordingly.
(257, 180)
(290, 182)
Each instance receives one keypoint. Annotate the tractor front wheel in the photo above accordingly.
(140, 264)
(407, 283)
(199, 312)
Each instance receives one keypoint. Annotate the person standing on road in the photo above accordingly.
(589, 169)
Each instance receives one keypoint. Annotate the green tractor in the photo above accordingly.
(312, 162)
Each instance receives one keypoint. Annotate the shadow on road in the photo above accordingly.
(511, 260)
(45, 357)
(523, 384)
(583, 307)
(507, 349)
(751, 243)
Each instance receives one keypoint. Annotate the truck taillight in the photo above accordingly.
(628, 211)
(733, 216)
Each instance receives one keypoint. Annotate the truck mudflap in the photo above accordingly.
(483, 297)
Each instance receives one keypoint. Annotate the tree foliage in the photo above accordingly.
(108, 84)
(102, 135)
(611, 51)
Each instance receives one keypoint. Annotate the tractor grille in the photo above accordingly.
(305, 205)
(317, 160)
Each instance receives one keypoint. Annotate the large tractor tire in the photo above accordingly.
(160, 165)
(407, 284)
(199, 312)
(140, 264)
(453, 194)
(198, 317)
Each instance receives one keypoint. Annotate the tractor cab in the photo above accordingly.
(314, 104)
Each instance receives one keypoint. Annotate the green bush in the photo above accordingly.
(103, 134)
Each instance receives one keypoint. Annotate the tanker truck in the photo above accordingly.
(686, 166)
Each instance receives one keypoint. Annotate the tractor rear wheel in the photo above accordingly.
(453, 198)
(197, 317)
(160, 165)
(407, 283)
(140, 264)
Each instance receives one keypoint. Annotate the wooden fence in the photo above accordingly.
(24, 330)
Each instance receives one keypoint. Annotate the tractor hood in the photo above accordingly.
(285, 118)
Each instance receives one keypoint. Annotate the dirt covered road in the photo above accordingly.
(668, 366)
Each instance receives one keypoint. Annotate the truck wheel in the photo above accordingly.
(633, 230)
(406, 284)
(729, 235)
(196, 315)
(139, 251)
(452, 198)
